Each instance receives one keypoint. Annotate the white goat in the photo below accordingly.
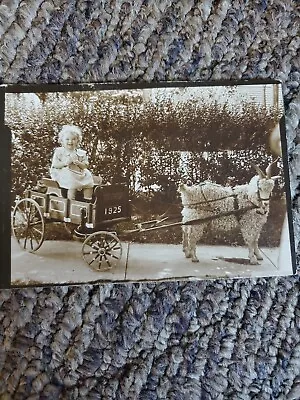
(246, 206)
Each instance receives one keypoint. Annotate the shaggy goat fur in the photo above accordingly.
(197, 203)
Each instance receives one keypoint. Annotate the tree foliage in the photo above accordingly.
(138, 141)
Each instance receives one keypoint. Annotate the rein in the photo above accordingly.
(208, 201)
(217, 216)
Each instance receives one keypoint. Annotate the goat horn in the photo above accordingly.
(259, 171)
(269, 168)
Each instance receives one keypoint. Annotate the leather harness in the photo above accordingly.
(237, 211)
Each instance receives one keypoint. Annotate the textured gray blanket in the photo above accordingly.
(236, 339)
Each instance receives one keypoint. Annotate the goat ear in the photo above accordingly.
(260, 173)
(269, 168)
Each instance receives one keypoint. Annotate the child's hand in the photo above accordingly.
(69, 161)
(74, 158)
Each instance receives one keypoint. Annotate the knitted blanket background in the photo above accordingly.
(223, 339)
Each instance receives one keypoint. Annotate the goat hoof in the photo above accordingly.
(254, 262)
(195, 260)
(187, 255)
(259, 257)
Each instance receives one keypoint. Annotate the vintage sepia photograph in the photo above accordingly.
(181, 181)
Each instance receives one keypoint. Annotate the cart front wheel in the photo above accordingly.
(102, 250)
(28, 224)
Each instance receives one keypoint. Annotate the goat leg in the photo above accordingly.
(252, 255)
(250, 241)
(257, 252)
(193, 238)
(185, 241)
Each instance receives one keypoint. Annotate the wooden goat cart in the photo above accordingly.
(94, 220)
(102, 248)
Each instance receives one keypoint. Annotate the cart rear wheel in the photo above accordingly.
(102, 250)
(28, 225)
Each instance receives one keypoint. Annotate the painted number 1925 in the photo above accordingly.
(112, 210)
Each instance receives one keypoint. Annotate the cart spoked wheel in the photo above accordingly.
(28, 225)
(102, 250)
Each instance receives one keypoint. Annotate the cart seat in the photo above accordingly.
(55, 188)
(52, 187)
(48, 182)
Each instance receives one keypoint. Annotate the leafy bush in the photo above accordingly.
(141, 142)
(152, 146)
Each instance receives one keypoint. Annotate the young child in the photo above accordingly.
(69, 164)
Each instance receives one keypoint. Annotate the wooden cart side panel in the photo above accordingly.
(40, 198)
(76, 210)
(111, 205)
(58, 208)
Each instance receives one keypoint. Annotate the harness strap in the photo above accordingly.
(236, 206)
(258, 194)
(207, 201)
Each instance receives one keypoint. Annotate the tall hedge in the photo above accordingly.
(132, 139)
